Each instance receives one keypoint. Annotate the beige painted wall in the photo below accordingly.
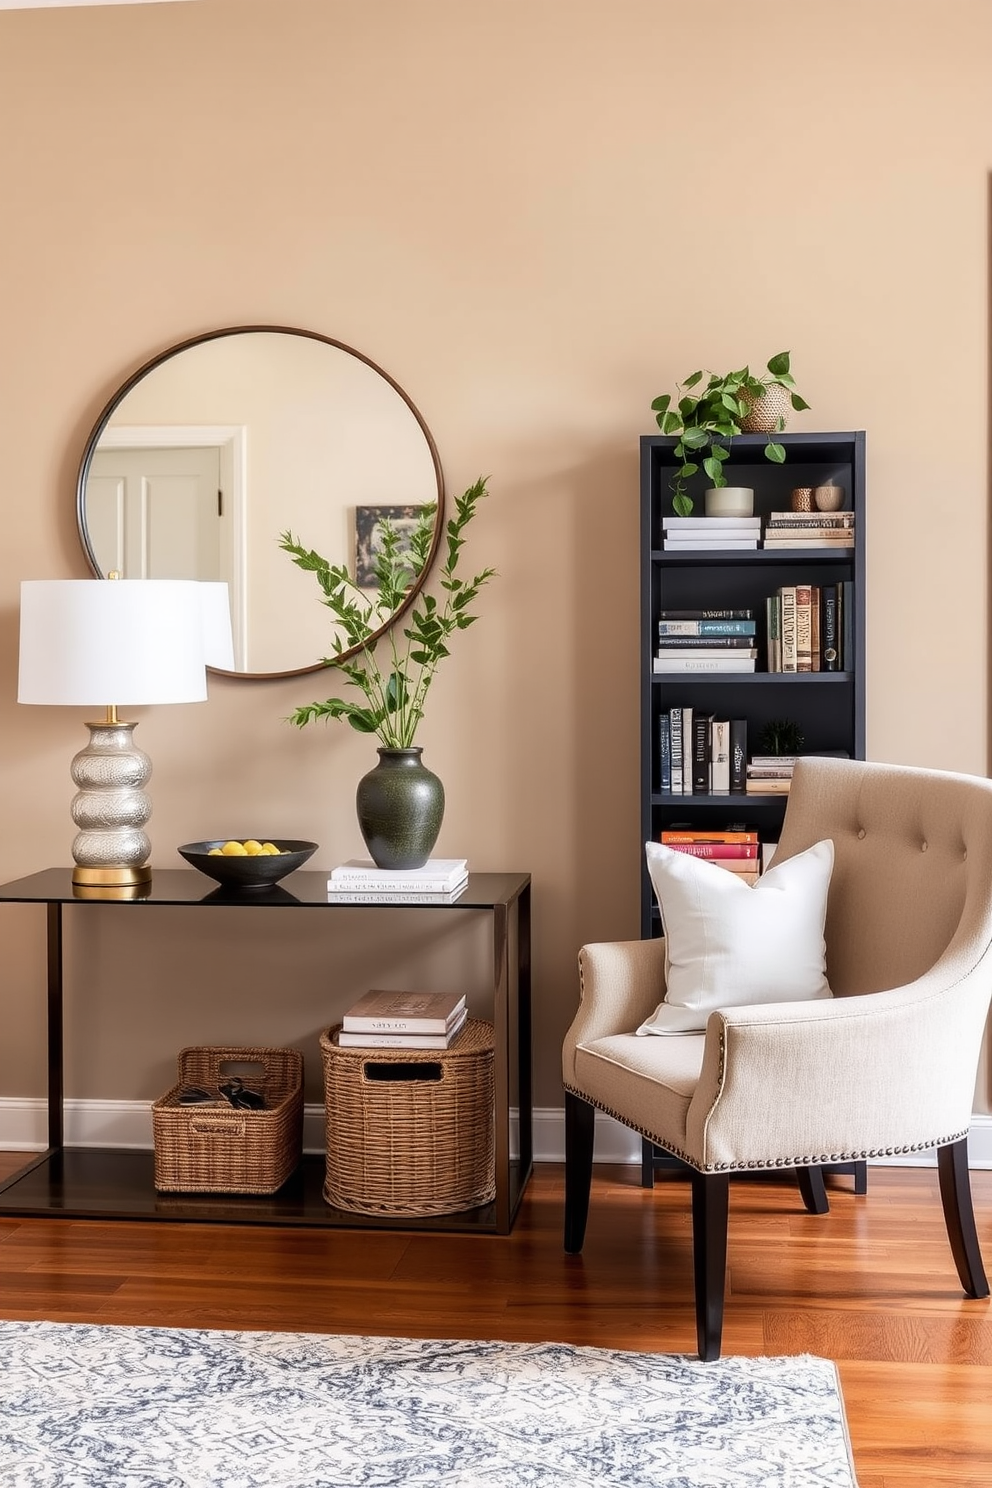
(535, 215)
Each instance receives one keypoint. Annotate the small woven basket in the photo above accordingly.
(212, 1148)
(411, 1131)
(771, 406)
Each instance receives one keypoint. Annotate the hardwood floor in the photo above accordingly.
(871, 1285)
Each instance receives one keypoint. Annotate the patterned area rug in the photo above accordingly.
(83, 1406)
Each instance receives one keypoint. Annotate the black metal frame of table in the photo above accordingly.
(107, 1183)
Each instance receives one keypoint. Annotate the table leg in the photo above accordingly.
(55, 1027)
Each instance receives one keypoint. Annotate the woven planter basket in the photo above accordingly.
(411, 1131)
(216, 1149)
(774, 404)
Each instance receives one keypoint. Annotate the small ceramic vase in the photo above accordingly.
(802, 498)
(729, 501)
(828, 498)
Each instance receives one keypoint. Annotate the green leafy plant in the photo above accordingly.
(706, 421)
(395, 687)
(781, 736)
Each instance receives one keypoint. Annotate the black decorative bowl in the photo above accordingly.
(259, 871)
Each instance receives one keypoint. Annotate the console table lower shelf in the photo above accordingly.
(109, 1183)
(98, 1183)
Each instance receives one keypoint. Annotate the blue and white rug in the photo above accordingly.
(84, 1406)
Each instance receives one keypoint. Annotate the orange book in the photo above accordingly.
(671, 837)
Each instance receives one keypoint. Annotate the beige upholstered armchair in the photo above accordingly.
(887, 1065)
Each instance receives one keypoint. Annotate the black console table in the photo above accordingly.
(98, 1183)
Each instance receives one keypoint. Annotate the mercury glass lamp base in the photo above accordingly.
(110, 808)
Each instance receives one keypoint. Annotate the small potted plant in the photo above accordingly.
(736, 403)
(400, 802)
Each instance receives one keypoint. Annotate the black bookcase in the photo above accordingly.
(829, 707)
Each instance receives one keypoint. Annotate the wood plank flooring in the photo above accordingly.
(871, 1285)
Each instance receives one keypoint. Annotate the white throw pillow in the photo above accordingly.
(727, 944)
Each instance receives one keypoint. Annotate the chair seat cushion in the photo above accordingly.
(648, 1083)
(730, 945)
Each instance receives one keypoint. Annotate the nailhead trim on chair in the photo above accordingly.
(807, 1160)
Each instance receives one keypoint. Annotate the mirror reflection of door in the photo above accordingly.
(158, 511)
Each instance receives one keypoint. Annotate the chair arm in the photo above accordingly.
(620, 984)
(879, 1073)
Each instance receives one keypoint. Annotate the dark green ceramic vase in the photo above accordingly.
(400, 808)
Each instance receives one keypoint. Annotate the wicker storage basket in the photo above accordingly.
(216, 1149)
(411, 1131)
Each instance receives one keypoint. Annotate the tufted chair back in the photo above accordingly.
(912, 868)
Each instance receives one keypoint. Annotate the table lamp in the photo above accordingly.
(86, 641)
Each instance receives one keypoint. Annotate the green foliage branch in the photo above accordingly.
(705, 421)
(395, 688)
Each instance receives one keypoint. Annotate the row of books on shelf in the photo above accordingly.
(403, 1020)
(737, 849)
(810, 627)
(780, 529)
(700, 754)
(807, 628)
(359, 881)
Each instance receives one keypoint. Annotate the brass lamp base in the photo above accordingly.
(111, 877)
(112, 891)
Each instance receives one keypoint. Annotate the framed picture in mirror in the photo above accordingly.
(368, 529)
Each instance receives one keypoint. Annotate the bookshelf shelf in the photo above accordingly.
(749, 556)
(750, 679)
(829, 707)
(728, 805)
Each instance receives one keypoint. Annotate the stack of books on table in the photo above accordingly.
(770, 774)
(403, 1020)
(359, 881)
(706, 534)
(736, 850)
(809, 530)
(706, 641)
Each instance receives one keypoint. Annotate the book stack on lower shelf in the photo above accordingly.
(770, 774)
(814, 529)
(359, 881)
(697, 641)
(707, 534)
(403, 1020)
(736, 851)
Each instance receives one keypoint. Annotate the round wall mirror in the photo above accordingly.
(219, 444)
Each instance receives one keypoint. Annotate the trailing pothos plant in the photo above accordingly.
(393, 673)
(704, 421)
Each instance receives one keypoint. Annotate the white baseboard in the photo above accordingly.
(129, 1124)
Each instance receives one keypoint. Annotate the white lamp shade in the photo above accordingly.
(218, 639)
(96, 642)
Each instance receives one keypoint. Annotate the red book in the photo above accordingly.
(716, 849)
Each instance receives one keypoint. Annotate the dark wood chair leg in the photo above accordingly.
(861, 1177)
(813, 1190)
(710, 1200)
(647, 1163)
(580, 1120)
(959, 1217)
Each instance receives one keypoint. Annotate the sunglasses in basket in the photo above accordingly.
(234, 1091)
